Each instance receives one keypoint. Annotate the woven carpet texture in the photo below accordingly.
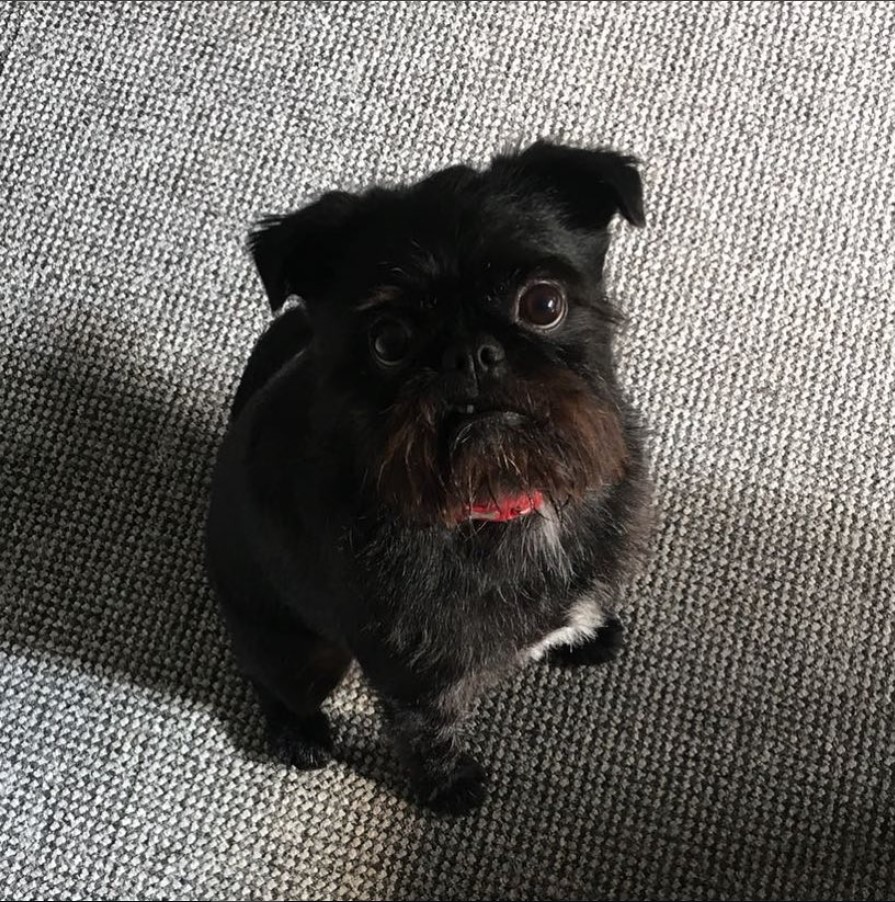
(743, 747)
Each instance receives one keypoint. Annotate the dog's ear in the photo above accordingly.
(299, 253)
(590, 185)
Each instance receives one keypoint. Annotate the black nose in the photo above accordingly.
(478, 356)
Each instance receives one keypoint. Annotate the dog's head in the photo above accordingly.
(462, 339)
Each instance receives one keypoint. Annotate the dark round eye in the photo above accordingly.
(390, 341)
(542, 304)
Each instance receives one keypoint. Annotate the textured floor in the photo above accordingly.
(744, 747)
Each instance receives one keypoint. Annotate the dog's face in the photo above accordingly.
(462, 338)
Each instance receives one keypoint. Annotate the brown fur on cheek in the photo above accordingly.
(591, 443)
(409, 473)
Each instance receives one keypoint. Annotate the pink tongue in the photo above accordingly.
(504, 509)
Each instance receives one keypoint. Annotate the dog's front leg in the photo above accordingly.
(427, 732)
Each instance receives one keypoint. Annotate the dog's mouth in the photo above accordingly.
(472, 420)
(465, 419)
(497, 457)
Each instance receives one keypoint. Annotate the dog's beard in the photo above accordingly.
(551, 439)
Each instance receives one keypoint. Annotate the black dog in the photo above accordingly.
(430, 466)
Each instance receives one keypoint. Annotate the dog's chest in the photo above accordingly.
(585, 617)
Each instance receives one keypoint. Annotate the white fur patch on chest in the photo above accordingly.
(585, 617)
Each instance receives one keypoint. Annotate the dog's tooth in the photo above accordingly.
(488, 516)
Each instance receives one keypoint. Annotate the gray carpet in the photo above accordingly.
(744, 746)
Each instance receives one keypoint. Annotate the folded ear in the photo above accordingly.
(591, 185)
(299, 253)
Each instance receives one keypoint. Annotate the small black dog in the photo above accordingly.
(430, 467)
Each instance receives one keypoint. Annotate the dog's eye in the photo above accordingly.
(390, 341)
(542, 304)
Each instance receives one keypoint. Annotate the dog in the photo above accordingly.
(430, 466)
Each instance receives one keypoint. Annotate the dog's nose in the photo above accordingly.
(489, 353)
(481, 355)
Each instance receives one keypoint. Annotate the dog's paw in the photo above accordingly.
(604, 646)
(458, 792)
(305, 743)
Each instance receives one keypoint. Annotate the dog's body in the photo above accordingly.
(430, 467)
